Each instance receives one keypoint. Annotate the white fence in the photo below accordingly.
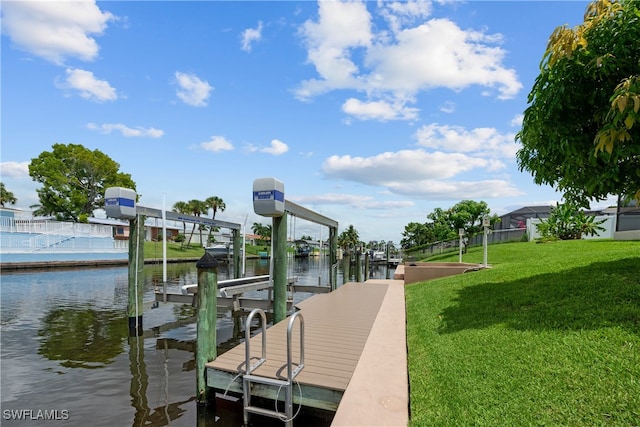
(44, 236)
(13, 225)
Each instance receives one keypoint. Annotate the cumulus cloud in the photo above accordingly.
(14, 169)
(456, 190)
(482, 141)
(276, 148)
(419, 173)
(88, 86)
(341, 28)
(517, 120)
(401, 166)
(217, 143)
(348, 52)
(353, 200)
(192, 90)
(379, 110)
(251, 35)
(107, 128)
(55, 30)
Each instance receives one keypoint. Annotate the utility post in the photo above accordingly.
(460, 243)
(486, 223)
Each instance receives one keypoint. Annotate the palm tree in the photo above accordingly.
(264, 231)
(214, 203)
(196, 208)
(349, 238)
(6, 196)
(183, 208)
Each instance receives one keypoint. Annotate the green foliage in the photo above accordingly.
(349, 238)
(262, 230)
(443, 224)
(548, 336)
(567, 222)
(6, 196)
(578, 132)
(74, 180)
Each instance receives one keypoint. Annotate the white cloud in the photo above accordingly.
(456, 190)
(55, 30)
(482, 141)
(88, 85)
(400, 13)
(14, 169)
(401, 166)
(251, 35)
(436, 53)
(378, 110)
(351, 200)
(517, 120)
(341, 27)
(217, 143)
(448, 107)
(423, 174)
(192, 90)
(126, 131)
(276, 148)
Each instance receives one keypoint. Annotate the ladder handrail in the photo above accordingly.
(247, 339)
(291, 373)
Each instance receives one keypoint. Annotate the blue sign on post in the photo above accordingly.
(268, 197)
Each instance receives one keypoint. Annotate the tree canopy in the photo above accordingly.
(579, 132)
(6, 196)
(74, 180)
(444, 224)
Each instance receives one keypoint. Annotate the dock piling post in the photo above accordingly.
(206, 327)
(279, 274)
(366, 266)
(358, 266)
(238, 254)
(135, 270)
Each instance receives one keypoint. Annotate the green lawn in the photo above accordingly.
(153, 250)
(550, 336)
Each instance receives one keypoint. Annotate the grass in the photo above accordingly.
(153, 250)
(549, 336)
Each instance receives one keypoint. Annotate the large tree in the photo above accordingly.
(580, 131)
(6, 196)
(74, 180)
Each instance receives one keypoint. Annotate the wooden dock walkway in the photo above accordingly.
(355, 356)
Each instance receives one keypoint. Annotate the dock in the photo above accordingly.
(355, 360)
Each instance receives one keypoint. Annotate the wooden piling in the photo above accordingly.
(238, 252)
(135, 275)
(366, 266)
(333, 258)
(206, 327)
(358, 266)
(279, 274)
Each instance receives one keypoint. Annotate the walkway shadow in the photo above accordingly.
(598, 295)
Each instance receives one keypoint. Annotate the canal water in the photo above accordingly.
(66, 357)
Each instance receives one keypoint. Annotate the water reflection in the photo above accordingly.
(65, 346)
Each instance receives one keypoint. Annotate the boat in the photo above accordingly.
(220, 251)
(303, 249)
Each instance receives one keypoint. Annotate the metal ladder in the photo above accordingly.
(248, 378)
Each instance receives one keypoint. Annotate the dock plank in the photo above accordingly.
(355, 355)
(337, 326)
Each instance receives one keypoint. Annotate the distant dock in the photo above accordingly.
(355, 356)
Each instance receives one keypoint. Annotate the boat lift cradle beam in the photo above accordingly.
(174, 216)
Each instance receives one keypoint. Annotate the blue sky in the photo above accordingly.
(371, 113)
